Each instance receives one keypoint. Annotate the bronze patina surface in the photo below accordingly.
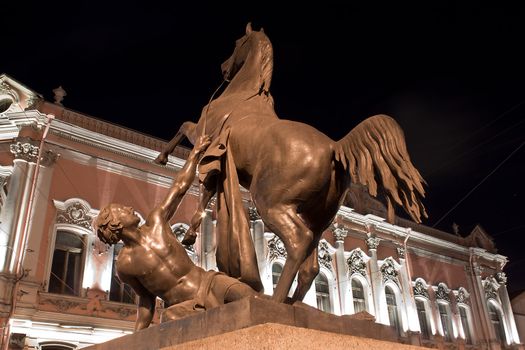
(155, 264)
(297, 176)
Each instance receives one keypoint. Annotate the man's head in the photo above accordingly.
(112, 219)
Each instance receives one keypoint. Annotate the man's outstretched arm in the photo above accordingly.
(184, 178)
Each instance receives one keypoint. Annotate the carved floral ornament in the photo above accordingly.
(443, 293)
(420, 289)
(276, 248)
(24, 149)
(324, 256)
(389, 271)
(356, 263)
(372, 242)
(340, 233)
(76, 212)
(463, 296)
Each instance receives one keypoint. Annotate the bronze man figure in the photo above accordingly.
(155, 264)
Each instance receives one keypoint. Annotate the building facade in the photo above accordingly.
(59, 290)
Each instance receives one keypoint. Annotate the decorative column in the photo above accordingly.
(501, 277)
(479, 302)
(208, 241)
(257, 228)
(15, 209)
(406, 290)
(375, 276)
(340, 233)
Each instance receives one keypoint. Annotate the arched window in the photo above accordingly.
(119, 291)
(68, 263)
(424, 323)
(358, 295)
(497, 322)
(463, 315)
(322, 292)
(277, 269)
(446, 323)
(393, 309)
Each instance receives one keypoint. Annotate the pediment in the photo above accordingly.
(15, 97)
(478, 237)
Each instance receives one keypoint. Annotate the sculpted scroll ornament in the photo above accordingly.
(340, 233)
(276, 248)
(420, 290)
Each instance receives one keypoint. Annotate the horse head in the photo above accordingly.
(255, 50)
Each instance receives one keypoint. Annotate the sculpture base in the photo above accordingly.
(261, 324)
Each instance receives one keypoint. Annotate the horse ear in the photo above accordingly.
(249, 28)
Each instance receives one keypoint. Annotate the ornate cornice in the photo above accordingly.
(276, 248)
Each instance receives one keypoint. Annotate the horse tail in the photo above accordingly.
(377, 146)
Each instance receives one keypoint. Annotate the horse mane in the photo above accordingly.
(266, 71)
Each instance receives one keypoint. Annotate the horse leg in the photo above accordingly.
(187, 129)
(209, 189)
(308, 270)
(297, 238)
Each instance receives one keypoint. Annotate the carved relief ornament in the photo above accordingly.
(276, 248)
(443, 293)
(388, 270)
(324, 256)
(356, 263)
(76, 212)
(421, 290)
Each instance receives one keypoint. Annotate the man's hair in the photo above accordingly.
(107, 225)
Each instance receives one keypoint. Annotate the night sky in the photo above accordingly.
(452, 75)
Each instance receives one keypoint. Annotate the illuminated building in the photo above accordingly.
(58, 289)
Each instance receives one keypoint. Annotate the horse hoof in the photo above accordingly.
(189, 239)
(162, 160)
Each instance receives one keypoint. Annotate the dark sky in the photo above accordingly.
(451, 74)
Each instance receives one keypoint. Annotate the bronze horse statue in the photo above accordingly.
(297, 176)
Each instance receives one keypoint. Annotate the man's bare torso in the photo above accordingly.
(160, 264)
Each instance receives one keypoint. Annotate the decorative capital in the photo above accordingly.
(372, 242)
(340, 233)
(463, 296)
(254, 214)
(401, 252)
(24, 150)
(478, 270)
(491, 288)
(501, 277)
(276, 248)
